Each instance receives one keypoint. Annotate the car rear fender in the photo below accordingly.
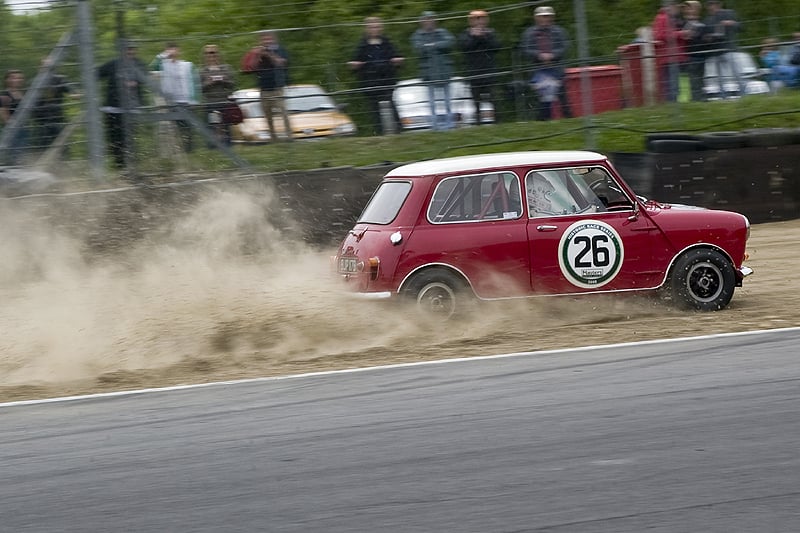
(429, 266)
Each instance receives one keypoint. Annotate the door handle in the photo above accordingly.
(546, 228)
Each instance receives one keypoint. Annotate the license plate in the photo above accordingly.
(348, 265)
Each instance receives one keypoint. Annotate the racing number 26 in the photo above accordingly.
(594, 245)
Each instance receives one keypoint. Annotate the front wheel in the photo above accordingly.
(703, 280)
(438, 293)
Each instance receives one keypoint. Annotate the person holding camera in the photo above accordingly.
(269, 61)
(217, 83)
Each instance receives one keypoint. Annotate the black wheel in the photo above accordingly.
(438, 293)
(703, 280)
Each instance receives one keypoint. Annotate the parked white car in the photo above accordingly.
(724, 83)
(411, 101)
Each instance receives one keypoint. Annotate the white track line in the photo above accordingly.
(385, 367)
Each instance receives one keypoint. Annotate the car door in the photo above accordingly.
(475, 224)
(586, 234)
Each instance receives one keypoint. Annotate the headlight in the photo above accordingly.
(346, 128)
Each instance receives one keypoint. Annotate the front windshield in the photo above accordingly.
(385, 203)
(305, 99)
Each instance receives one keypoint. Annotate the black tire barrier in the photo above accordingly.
(673, 146)
(723, 140)
(650, 138)
(771, 136)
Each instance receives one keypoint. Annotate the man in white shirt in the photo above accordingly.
(179, 85)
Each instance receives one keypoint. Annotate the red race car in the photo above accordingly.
(512, 225)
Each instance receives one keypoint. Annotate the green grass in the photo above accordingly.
(615, 131)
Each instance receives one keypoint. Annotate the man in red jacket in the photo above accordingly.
(670, 48)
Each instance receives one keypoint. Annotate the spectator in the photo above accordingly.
(269, 61)
(433, 46)
(217, 83)
(545, 44)
(769, 59)
(720, 36)
(376, 61)
(126, 78)
(10, 98)
(694, 29)
(794, 51)
(670, 38)
(480, 46)
(48, 114)
(179, 83)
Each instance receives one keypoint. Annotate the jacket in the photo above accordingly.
(433, 49)
(531, 46)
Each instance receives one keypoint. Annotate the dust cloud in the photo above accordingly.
(220, 293)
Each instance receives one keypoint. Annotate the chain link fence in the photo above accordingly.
(61, 124)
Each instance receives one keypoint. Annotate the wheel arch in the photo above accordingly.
(690, 248)
(434, 266)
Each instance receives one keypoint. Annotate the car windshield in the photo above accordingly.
(252, 109)
(418, 93)
(306, 99)
(385, 203)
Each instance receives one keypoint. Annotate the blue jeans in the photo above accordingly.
(437, 122)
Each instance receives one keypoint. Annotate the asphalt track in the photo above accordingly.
(693, 435)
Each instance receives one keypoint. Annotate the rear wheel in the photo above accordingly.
(438, 293)
(703, 280)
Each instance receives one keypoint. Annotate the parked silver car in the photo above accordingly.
(411, 101)
(720, 80)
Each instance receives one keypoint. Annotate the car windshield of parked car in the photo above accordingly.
(474, 198)
(416, 92)
(251, 109)
(385, 203)
(308, 99)
(573, 190)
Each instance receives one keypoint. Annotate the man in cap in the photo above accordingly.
(480, 46)
(433, 46)
(545, 44)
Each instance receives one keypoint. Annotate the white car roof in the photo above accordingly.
(504, 159)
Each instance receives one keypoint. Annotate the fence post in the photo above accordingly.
(28, 102)
(94, 129)
(586, 82)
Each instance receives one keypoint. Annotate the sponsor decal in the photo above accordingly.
(590, 253)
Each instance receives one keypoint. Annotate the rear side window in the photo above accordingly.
(385, 203)
(493, 196)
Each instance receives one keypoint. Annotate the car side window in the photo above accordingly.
(492, 196)
(572, 191)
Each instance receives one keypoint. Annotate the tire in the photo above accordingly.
(438, 293)
(651, 138)
(675, 146)
(723, 140)
(702, 279)
(771, 136)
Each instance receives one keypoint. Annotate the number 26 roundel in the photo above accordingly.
(590, 253)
